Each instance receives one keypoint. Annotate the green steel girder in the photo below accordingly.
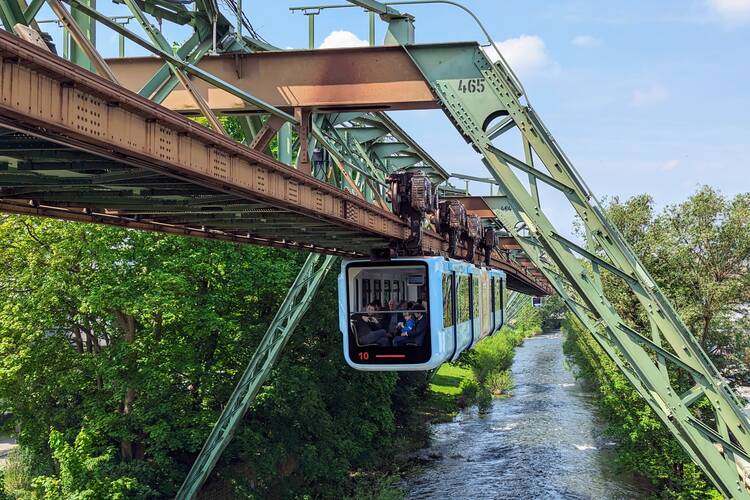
(179, 63)
(367, 134)
(721, 452)
(389, 148)
(11, 14)
(587, 317)
(431, 167)
(402, 161)
(192, 51)
(515, 304)
(32, 10)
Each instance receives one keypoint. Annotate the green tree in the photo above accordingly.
(698, 252)
(81, 474)
(141, 338)
(552, 313)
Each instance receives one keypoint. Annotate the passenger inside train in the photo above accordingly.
(413, 328)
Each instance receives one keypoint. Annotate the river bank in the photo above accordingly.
(543, 441)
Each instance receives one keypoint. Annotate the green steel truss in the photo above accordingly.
(474, 93)
(516, 303)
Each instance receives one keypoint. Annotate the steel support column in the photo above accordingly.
(78, 54)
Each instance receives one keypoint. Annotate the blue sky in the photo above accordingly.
(643, 96)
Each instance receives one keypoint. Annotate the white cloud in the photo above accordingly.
(586, 41)
(669, 165)
(526, 54)
(649, 95)
(342, 38)
(732, 11)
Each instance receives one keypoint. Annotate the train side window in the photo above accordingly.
(486, 305)
(447, 300)
(386, 291)
(462, 287)
(475, 296)
(397, 290)
(498, 295)
(366, 297)
(376, 296)
(493, 303)
(492, 293)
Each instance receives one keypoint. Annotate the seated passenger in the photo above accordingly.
(368, 329)
(413, 329)
(372, 317)
(392, 319)
(406, 325)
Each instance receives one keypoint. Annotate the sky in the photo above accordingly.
(644, 97)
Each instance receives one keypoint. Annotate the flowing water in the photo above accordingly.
(543, 442)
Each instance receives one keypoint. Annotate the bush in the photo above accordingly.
(491, 355)
(484, 400)
(499, 383)
(469, 389)
(19, 470)
(81, 473)
(3, 494)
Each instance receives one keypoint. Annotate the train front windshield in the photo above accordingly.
(388, 313)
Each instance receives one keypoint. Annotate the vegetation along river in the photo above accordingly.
(543, 442)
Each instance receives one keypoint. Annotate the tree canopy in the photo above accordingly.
(139, 339)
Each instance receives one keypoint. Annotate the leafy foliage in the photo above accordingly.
(699, 254)
(140, 338)
(552, 313)
(81, 473)
(20, 468)
(491, 358)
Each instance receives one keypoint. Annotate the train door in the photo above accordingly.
(463, 311)
(475, 299)
(485, 306)
(450, 326)
(498, 304)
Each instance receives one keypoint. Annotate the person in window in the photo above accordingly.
(369, 330)
(392, 319)
(413, 328)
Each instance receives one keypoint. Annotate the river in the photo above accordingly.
(543, 442)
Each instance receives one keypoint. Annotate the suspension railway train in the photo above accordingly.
(452, 305)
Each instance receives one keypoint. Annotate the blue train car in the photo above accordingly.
(416, 313)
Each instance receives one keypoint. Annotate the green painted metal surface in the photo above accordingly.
(88, 27)
(474, 93)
